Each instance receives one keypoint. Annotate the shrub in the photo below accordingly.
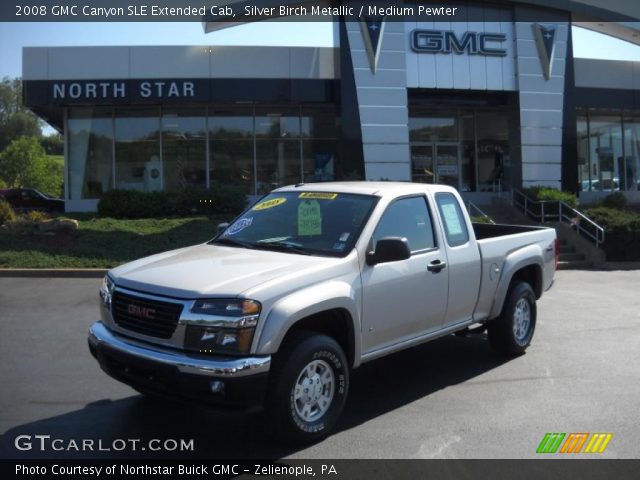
(480, 219)
(192, 201)
(622, 232)
(551, 194)
(219, 199)
(228, 199)
(35, 216)
(7, 214)
(615, 200)
(133, 204)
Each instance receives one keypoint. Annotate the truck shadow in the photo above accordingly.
(377, 388)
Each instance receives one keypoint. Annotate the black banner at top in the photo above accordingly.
(239, 11)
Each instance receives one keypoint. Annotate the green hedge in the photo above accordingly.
(551, 194)
(480, 219)
(615, 200)
(220, 199)
(622, 232)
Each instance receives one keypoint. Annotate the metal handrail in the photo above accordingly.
(471, 207)
(557, 210)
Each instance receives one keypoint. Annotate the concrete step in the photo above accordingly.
(571, 257)
(575, 265)
(567, 249)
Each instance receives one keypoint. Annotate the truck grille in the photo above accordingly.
(148, 317)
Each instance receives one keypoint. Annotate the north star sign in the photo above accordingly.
(447, 41)
(113, 90)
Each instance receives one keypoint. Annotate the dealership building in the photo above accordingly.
(485, 106)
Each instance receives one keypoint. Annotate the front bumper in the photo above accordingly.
(177, 374)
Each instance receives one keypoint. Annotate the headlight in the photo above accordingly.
(227, 326)
(218, 340)
(248, 310)
(106, 291)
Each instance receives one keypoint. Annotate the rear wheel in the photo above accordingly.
(308, 389)
(510, 334)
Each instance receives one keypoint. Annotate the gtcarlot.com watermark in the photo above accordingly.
(45, 443)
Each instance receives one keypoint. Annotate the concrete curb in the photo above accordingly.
(611, 266)
(54, 272)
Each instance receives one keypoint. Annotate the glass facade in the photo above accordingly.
(608, 150)
(256, 147)
(137, 150)
(465, 148)
(90, 152)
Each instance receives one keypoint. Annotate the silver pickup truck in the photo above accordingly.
(309, 283)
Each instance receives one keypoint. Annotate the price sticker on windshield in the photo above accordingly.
(274, 202)
(319, 195)
(309, 218)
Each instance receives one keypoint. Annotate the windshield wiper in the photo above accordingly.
(233, 243)
(282, 247)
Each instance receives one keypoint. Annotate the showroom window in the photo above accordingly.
(608, 150)
(90, 152)
(231, 147)
(137, 146)
(168, 149)
(184, 148)
(278, 148)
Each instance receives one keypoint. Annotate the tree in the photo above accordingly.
(15, 119)
(24, 164)
(53, 144)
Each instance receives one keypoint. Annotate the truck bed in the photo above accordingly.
(488, 230)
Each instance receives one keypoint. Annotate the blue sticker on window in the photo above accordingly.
(339, 246)
(239, 226)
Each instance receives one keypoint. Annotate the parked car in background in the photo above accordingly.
(25, 199)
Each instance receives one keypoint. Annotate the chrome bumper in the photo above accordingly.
(224, 367)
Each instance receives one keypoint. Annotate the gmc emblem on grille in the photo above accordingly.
(143, 312)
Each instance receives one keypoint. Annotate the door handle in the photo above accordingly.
(436, 266)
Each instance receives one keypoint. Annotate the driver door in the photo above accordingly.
(404, 299)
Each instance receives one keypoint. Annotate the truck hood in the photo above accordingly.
(214, 270)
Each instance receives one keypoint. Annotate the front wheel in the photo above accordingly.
(308, 389)
(510, 334)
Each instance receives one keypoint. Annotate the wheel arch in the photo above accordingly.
(333, 313)
(528, 270)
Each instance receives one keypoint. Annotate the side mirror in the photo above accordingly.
(389, 249)
(222, 227)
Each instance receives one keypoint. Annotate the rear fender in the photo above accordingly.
(521, 258)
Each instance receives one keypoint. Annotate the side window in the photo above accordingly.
(455, 227)
(409, 218)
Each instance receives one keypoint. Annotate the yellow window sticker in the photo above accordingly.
(274, 202)
(309, 218)
(319, 195)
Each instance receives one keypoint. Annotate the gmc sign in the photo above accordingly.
(447, 41)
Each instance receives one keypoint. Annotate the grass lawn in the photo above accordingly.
(104, 242)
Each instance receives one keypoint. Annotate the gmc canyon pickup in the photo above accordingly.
(309, 283)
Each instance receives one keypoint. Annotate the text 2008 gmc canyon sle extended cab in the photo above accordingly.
(309, 283)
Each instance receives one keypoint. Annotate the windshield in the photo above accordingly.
(322, 223)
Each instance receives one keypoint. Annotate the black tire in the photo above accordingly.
(307, 349)
(507, 335)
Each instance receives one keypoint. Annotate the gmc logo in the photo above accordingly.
(474, 43)
(143, 312)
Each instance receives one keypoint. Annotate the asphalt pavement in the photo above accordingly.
(451, 398)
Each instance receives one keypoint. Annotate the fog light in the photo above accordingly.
(217, 386)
